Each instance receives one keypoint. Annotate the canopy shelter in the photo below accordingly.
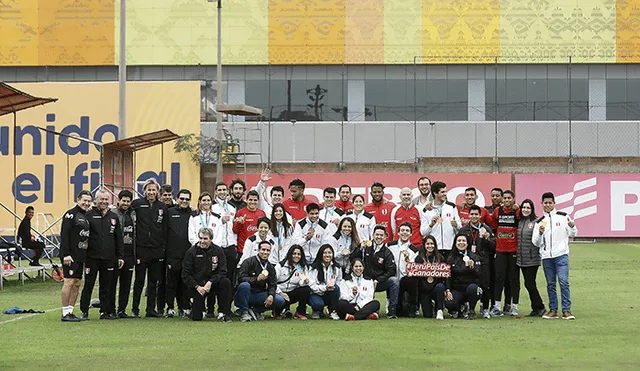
(13, 100)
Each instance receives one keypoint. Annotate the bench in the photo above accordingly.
(20, 271)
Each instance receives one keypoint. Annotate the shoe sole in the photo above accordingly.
(546, 317)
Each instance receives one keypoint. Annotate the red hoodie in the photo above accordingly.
(249, 227)
(382, 212)
(296, 208)
(463, 213)
(505, 223)
(344, 206)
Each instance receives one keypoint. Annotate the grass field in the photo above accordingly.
(606, 334)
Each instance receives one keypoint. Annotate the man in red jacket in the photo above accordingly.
(380, 207)
(344, 201)
(504, 221)
(406, 212)
(297, 203)
(470, 197)
(245, 222)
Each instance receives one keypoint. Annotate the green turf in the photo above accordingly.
(604, 282)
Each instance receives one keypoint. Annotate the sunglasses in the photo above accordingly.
(184, 199)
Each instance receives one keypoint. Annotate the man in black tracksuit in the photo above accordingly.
(204, 272)
(151, 230)
(127, 219)
(166, 196)
(105, 255)
(380, 266)
(177, 245)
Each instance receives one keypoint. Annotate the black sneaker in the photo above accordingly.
(111, 316)
(153, 314)
(135, 314)
(70, 318)
(392, 314)
(471, 315)
(537, 313)
(210, 315)
(506, 308)
(84, 316)
(227, 318)
(123, 314)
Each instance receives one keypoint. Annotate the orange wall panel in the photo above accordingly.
(364, 25)
(628, 31)
(18, 32)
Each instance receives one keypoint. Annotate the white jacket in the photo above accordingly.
(365, 294)
(226, 237)
(338, 243)
(251, 249)
(365, 223)
(264, 202)
(397, 248)
(289, 277)
(442, 232)
(554, 241)
(196, 222)
(330, 273)
(331, 217)
(319, 238)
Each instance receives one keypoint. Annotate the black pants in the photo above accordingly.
(231, 254)
(427, 297)
(124, 276)
(175, 288)
(222, 290)
(162, 282)
(344, 308)
(407, 297)
(107, 270)
(152, 269)
(38, 249)
(470, 295)
(529, 274)
(487, 280)
(301, 296)
(507, 270)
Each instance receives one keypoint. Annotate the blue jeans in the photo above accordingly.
(329, 298)
(392, 287)
(557, 267)
(246, 298)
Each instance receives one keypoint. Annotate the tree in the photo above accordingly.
(201, 148)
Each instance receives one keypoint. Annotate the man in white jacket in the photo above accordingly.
(441, 220)
(551, 234)
(311, 232)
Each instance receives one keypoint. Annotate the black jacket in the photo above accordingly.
(201, 265)
(177, 232)
(423, 285)
(237, 204)
(484, 248)
(249, 271)
(128, 224)
(24, 232)
(461, 275)
(74, 234)
(151, 228)
(378, 266)
(105, 236)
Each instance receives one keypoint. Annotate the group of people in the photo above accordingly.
(263, 252)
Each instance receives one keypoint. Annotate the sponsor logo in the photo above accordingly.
(84, 233)
(573, 202)
(68, 216)
(506, 235)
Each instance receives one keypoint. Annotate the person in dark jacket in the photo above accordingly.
(462, 291)
(151, 227)
(204, 272)
(380, 266)
(428, 289)
(28, 241)
(177, 245)
(166, 196)
(105, 255)
(528, 256)
(127, 219)
(483, 244)
(258, 283)
(74, 236)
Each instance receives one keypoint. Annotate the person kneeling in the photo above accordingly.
(462, 286)
(293, 283)
(258, 283)
(356, 296)
(204, 271)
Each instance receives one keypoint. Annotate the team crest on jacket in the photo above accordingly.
(557, 224)
(160, 212)
(385, 211)
(530, 225)
(113, 222)
(380, 260)
(214, 259)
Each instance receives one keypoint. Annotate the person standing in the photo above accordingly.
(29, 241)
(441, 220)
(404, 252)
(238, 188)
(296, 205)
(127, 219)
(105, 255)
(343, 242)
(151, 226)
(311, 232)
(329, 212)
(204, 272)
(470, 197)
(246, 220)
(365, 222)
(406, 212)
(223, 235)
(74, 241)
(551, 234)
(496, 200)
(252, 244)
(425, 197)
(528, 256)
(281, 229)
(344, 201)
(166, 195)
(178, 243)
(380, 208)
(276, 194)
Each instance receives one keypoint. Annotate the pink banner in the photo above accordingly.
(603, 205)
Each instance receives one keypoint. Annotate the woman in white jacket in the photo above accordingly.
(281, 230)
(251, 245)
(356, 296)
(325, 276)
(293, 283)
(365, 222)
(203, 219)
(344, 241)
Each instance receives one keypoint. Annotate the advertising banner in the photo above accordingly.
(602, 205)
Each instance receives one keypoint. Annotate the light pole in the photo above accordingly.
(122, 70)
(219, 170)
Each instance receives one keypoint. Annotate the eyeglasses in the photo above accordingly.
(184, 199)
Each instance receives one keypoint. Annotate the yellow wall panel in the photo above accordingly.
(18, 32)
(460, 32)
(550, 32)
(628, 31)
(364, 27)
(307, 32)
(402, 31)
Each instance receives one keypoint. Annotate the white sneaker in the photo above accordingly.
(334, 316)
(315, 314)
(440, 315)
(220, 316)
(485, 313)
(514, 312)
(170, 313)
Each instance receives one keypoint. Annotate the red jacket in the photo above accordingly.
(505, 223)
(463, 213)
(249, 227)
(296, 208)
(382, 212)
(344, 206)
(399, 215)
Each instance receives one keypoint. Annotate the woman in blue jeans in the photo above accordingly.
(325, 276)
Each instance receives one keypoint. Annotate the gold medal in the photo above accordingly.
(265, 273)
(303, 277)
(430, 279)
(368, 243)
